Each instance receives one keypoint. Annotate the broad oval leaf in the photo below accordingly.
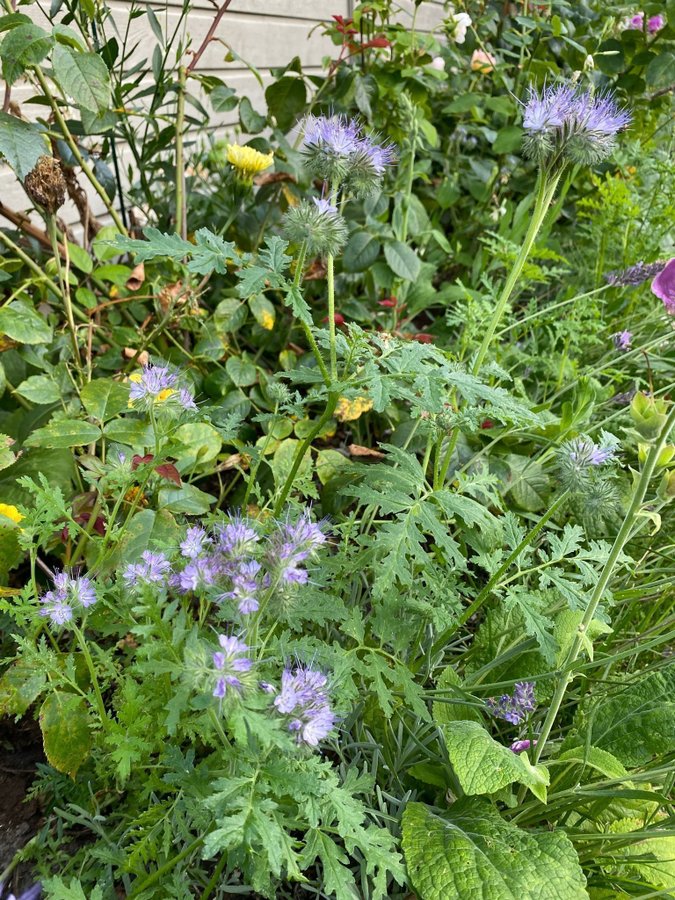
(402, 260)
(84, 77)
(64, 433)
(472, 852)
(64, 722)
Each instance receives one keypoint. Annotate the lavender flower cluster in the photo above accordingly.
(70, 592)
(337, 150)
(233, 561)
(158, 387)
(563, 123)
(633, 275)
(302, 701)
(515, 707)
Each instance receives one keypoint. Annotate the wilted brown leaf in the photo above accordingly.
(137, 277)
(358, 450)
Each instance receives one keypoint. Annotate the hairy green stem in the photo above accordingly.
(65, 288)
(486, 591)
(33, 266)
(619, 543)
(330, 278)
(94, 679)
(545, 191)
(331, 403)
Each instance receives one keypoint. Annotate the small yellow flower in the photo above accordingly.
(11, 512)
(165, 394)
(136, 377)
(349, 410)
(267, 320)
(248, 162)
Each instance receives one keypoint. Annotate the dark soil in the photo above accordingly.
(20, 751)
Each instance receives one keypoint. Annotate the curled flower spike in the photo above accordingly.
(291, 545)
(337, 150)
(154, 569)
(562, 123)
(195, 542)
(633, 275)
(247, 162)
(236, 537)
(230, 663)
(318, 225)
(304, 697)
(69, 593)
(245, 586)
(514, 707)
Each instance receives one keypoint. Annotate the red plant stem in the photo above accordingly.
(208, 38)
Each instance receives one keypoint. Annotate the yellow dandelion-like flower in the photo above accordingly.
(11, 512)
(248, 162)
(267, 320)
(165, 394)
(349, 410)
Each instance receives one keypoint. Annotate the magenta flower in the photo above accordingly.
(519, 746)
(654, 23)
(664, 286)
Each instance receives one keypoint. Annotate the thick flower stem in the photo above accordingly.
(619, 543)
(181, 205)
(65, 288)
(92, 672)
(330, 278)
(545, 193)
(331, 403)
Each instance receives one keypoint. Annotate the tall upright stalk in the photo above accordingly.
(619, 543)
(181, 203)
(546, 188)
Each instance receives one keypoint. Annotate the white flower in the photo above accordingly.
(589, 63)
(438, 63)
(462, 23)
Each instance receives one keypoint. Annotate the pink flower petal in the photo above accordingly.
(664, 286)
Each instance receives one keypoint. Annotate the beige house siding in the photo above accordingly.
(265, 33)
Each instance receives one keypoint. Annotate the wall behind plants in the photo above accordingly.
(262, 35)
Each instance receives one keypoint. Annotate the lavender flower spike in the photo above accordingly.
(514, 707)
(69, 593)
(633, 275)
(622, 340)
(154, 568)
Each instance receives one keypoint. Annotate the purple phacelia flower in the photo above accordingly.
(562, 122)
(154, 568)
(198, 574)
(664, 286)
(230, 663)
(195, 542)
(636, 23)
(325, 206)
(56, 607)
(69, 593)
(336, 135)
(583, 452)
(515, 707)
(622, 340)
(303, 696)
(291, 544)
(158, 385)
(236, 537)
(245, 586)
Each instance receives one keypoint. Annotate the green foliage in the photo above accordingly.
(498, 859)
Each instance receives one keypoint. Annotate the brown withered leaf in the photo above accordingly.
(358, 450)
(274, 178)
(137, 277)
(316, 272)
(172, 294)
(168, 470)
(234, 460)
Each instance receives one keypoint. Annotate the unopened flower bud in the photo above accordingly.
(666, 489)
(648, 415)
